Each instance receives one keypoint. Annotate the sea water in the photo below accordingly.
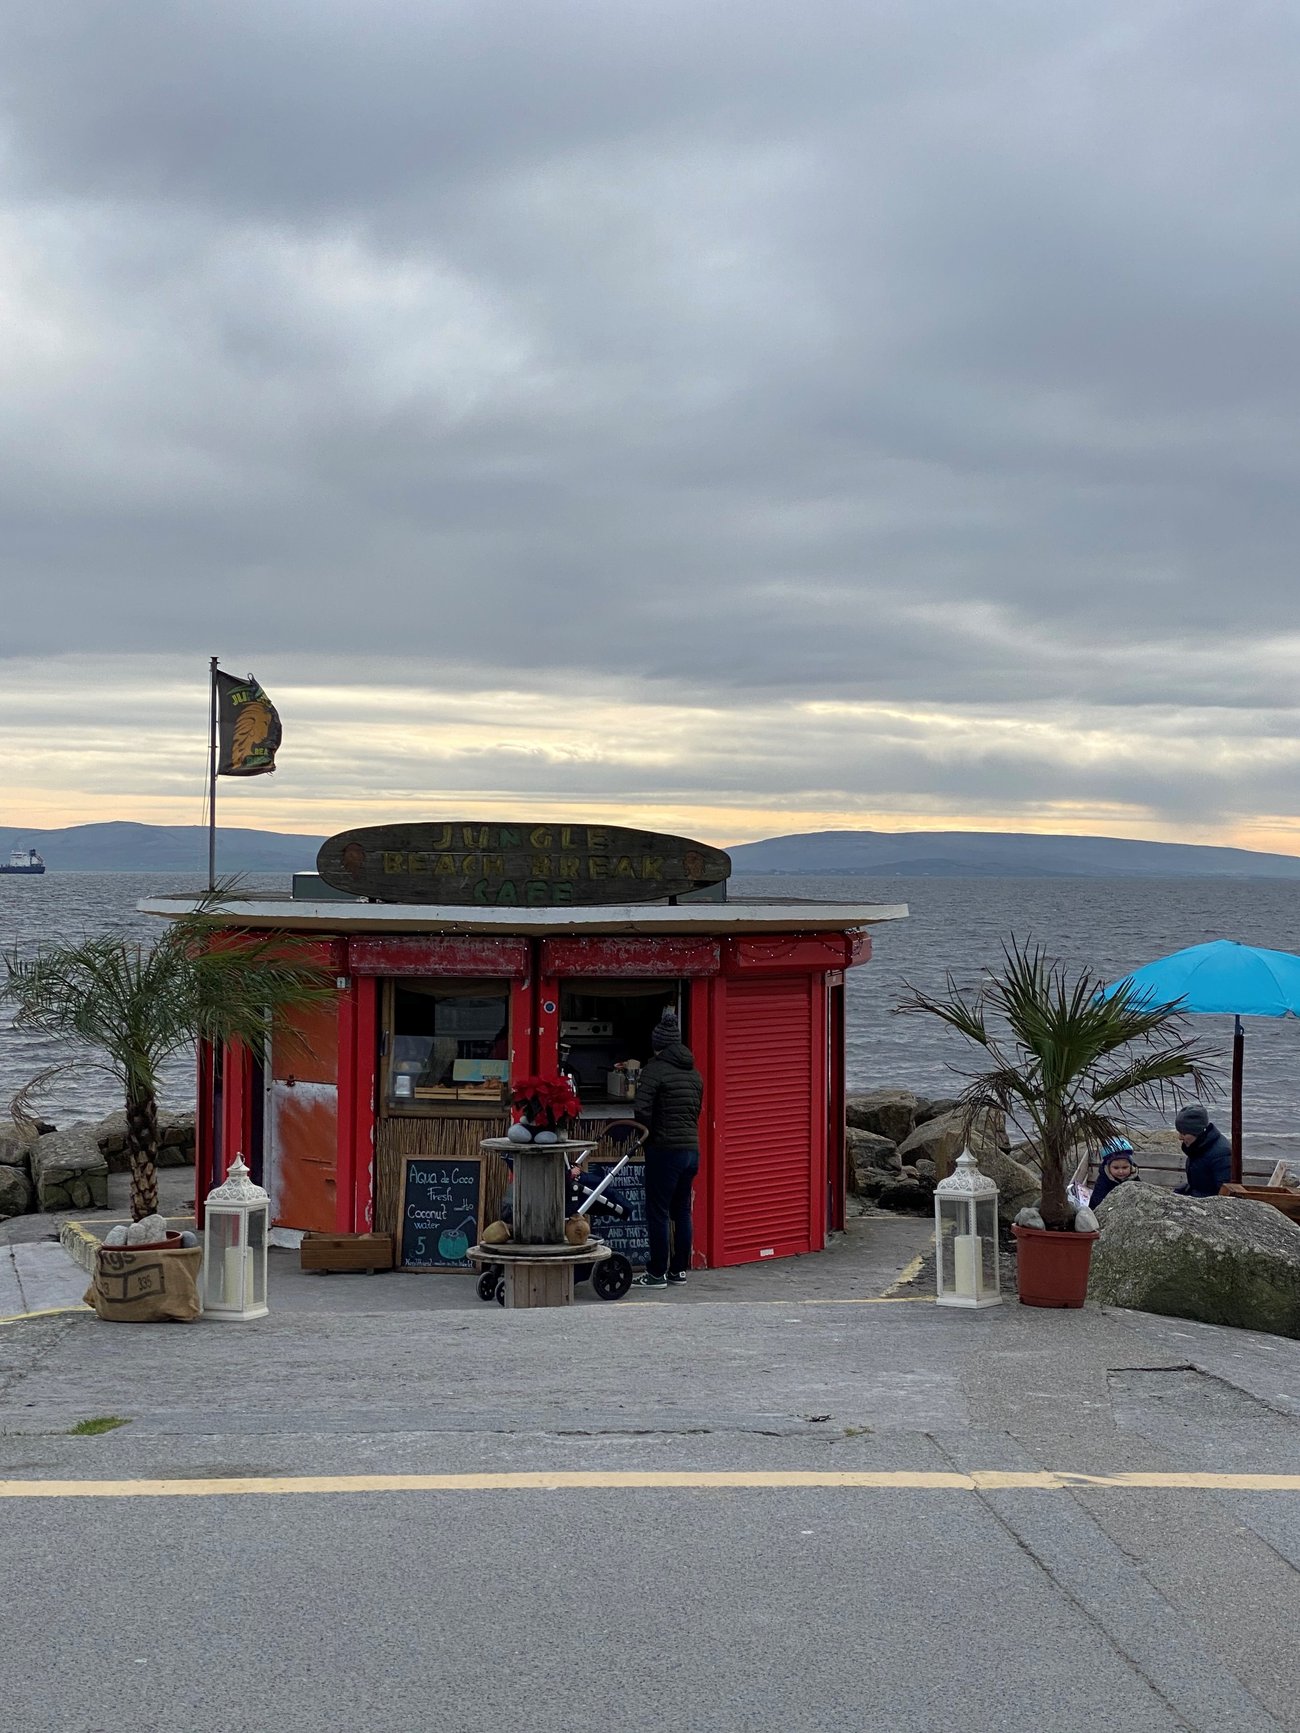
(956, 926)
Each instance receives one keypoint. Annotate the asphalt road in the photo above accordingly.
(268, 1584)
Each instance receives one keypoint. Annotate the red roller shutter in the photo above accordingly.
(770, 1144)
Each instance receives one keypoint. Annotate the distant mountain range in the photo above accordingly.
(995, 854)
(183, 848)
(121, 847)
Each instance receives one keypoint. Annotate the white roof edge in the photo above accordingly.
(622, 917)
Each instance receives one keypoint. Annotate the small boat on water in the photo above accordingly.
(23, 860)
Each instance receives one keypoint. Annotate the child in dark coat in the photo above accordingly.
(1117, 1168)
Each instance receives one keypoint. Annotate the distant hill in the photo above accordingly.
(162, 848)
(988, 854)
(141, 848)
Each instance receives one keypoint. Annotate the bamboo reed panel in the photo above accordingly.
(450, 1136)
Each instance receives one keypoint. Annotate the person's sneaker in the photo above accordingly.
(677, 1277)
(649, 1281)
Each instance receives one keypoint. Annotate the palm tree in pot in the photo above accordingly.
(1064, 1062)
(136, 1004)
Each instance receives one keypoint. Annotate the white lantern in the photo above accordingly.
(236, 1218)
(966, 1237)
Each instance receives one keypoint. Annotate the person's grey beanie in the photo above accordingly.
(1192, 1120)
(666, 1032)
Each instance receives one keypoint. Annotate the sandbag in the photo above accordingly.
(146, 1287)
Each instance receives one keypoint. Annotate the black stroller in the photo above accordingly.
(611, 1277)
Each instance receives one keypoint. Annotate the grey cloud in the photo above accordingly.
(932, 356)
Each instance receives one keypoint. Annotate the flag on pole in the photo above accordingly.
(248, 726)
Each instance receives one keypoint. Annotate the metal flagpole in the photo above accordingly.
(212, 775)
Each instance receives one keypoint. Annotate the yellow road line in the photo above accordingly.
(907, 1274)
(880, 1480)
(44, 1312)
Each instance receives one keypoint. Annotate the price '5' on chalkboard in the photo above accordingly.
(442, 1211)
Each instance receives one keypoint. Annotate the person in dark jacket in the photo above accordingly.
(1209, 1154)
(1117, 1168)
(668, 1101)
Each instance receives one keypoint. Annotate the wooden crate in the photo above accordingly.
(1280, 1196)
(346, 1252)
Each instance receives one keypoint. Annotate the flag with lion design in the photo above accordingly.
(248, 725)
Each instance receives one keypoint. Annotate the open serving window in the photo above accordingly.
(448, 1043)
(605, 1034)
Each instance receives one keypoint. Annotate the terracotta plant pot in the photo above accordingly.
(1051, 1267)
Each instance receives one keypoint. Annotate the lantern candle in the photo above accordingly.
(237, 1276)
(968, 1255)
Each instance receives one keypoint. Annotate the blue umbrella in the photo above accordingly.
(1223, 978)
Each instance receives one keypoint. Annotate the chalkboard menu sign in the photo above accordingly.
(630, 1236)
(442, 1211)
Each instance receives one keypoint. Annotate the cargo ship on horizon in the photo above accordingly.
(23, 860)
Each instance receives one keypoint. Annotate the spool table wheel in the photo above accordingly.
(611, 1279)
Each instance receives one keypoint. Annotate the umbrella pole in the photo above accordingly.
(1238, 1055)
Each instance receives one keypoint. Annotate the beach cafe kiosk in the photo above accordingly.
(467, 955)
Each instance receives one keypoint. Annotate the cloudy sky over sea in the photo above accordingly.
(755, 417)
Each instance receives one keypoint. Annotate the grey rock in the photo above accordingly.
(189, 1238)
(69, 1170)
(908, 1196)
(889, 1113)
(1085, 1222)
(941, 1140)
(871, 1181)
(925, 1169)
(1220, 1260)
(116, 1236)
(16, 1192)
(147, 1230)
(936, 1109)
(1028, 1218)
(867, 1150)
(175, 1141)
(1018, 1187)
(16, 1151)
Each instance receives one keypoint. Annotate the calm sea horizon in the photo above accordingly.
(956, 925)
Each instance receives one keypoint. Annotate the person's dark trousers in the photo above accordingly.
(669, 1176)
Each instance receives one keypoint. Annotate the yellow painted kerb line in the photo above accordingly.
(740, 1480)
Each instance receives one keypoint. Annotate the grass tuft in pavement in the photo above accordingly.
(101, 1423)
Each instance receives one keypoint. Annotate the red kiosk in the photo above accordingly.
(466, 955)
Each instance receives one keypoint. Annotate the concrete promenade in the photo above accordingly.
(794, 1497)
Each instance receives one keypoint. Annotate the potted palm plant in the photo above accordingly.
(133, 1004)
(1063, 1064)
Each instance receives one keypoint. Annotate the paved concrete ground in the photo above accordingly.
(935, 1598)
(38, 1276)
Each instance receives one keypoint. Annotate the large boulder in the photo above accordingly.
(175, 1141)
(16, 1151)
(1019, 1187)
(942, 1140)
(941, 1104)
(889, 1113)
(1220, 1260)
(868, 1153)
(69, 1170)
(16, 1192)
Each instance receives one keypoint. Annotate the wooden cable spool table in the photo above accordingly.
(538, 1261)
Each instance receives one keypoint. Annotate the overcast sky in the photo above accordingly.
(753, 417)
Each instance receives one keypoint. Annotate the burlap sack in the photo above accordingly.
(146, 1287)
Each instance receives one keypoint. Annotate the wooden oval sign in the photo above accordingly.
(524, 865)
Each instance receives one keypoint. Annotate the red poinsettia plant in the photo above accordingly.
(546, 1103)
